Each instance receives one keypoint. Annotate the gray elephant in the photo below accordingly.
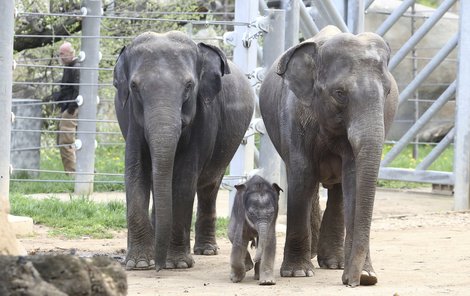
(183, 110)
(327, 104)
(253, 218)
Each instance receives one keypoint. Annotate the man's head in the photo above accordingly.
(66, 53)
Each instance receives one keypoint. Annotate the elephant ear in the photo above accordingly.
(297, 67)
(120, 80)
(213, 65)
(277, 188)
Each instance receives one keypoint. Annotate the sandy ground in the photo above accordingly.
(418, 247)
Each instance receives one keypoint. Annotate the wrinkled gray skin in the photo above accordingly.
(327, 104)
(253, 218)
(183, 110)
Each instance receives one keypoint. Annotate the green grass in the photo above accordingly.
(75, 218)
(406, 160)
(108, 159)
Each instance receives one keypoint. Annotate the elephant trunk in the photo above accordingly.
(163, 136)
(367, 142)
(263, 240)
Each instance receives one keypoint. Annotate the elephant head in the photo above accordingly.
(162, 80)
(344, 90)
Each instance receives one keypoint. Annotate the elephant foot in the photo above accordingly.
(140, 258)
(366, 278)
(141, 264)
(331, 262)
(207, 249)
(297, 269)
(237, 276)
(181, 261)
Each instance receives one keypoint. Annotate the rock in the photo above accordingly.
(61, 275)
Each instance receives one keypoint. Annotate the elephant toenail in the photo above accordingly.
(142, 264)
(130, 264)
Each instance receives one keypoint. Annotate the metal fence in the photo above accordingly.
(240, 32)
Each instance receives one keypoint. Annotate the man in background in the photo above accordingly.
(68, 106)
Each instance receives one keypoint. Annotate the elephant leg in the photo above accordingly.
(297, 249)
(248, 262)
(238, 257)
(315, 221)
(330, 246)
(205, 242)
(140, 234)
(266, 266)
(179, 251)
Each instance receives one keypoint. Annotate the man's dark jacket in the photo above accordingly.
(69, 92)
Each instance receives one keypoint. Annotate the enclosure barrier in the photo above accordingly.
(279, 29)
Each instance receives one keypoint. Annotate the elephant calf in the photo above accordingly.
(253, 218)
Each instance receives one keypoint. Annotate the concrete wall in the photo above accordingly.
(26, 159)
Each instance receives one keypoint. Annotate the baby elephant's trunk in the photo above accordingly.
(263, 234)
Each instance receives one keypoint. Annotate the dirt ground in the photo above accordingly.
(418, 247)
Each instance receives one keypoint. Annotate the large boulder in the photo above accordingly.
(61, 275)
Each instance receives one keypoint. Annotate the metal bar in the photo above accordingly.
(409, 135)
(126, 18)
(90, 183)
(409, 175)
(420, 33)
(23, 13)
(77, 173)
(355, 17)
(334, 15)
(428, 69)
(292, 10)
(60, 83)
(307, 22)
(244, 57)
(394, 17)
(262, 6)
(87, 130)
(270, 163)
(462, 120)
(62, 132)
(61, 67)
(65, 119)
(368, 3)
(437, 151)
(6, 76)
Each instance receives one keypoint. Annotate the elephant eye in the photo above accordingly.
(340, 96)
(187, 90)
(134, 85)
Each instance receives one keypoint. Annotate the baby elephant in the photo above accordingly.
(253, 218)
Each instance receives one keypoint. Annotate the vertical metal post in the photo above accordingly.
(356, 16)
(89, 91)
(462, 121)
(271, 164)
(292, 9)
(245, 57)
(6, 80)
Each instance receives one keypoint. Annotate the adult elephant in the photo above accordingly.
(327, 104)
(183, 110)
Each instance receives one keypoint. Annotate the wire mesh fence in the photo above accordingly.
(38, 73)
